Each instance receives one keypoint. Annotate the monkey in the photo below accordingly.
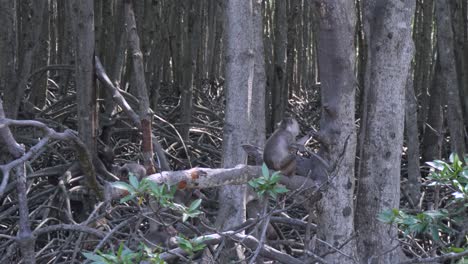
(278, 152)
(134, 168)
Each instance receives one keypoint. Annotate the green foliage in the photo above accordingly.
(267, 184)
(190, 246)
(125, 256)
(164, 194)
(428, 222)
(453, 176)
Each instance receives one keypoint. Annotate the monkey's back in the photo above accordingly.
(277, 149)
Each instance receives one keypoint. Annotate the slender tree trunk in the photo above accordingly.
(269, 67)
(83, 22)
(191, 42)
(337, 131)
(145, 113)
(387, 27)
(423, 68)
(65, 40)
(259, 77)
(239, 75)
(460, 33)
(279, 69)
(433, 135)
(87, 115)
(257, 120)
(449, 76)
(41, 59)
(8, 46)
(412, 137)
(29, 36)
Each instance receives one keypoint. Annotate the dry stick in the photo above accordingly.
(49, 133)
(120, 101)
(115, 229)
(68, 227)
(248, 241)
(438, 259)
(265, 223)
(114, 91)
(199, 178)
(24, 238)
(178, 135)
(77, 248)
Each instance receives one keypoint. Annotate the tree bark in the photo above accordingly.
(449, 76)
(83, 26)
(8, 45)
(41, 59)
(412, 137)
(387, 26)
(32, 23)
(238, 90)
(423, 65)
(433, 134)
(337, 131)
(279, 69)
(145, 113)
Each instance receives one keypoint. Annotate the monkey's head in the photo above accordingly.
(290, 124)
(131, 168)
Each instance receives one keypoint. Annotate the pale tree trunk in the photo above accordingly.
(449, 76)
(259, 78)
(337, 130)
(257, 120)
(387, 27)
(238, 91)
(146, 116)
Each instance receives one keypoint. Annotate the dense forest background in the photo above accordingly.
(126, 128)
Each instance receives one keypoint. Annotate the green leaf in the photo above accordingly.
(127, 198)
(253, 184)
(121, 249)
(272, 194)
(134, 181)
(195, 204)
(184, 244)
(434, 214)
(281, 189)
(463, 261)
(275, 177)
(456, 249)
(94, 257)
(437, 164)
(265, 171)
(435, 233)
(387, 216)
(453, 158)
(185, 216)
(199, 247)
(123, 186)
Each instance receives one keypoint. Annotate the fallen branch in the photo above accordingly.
(202, 178)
